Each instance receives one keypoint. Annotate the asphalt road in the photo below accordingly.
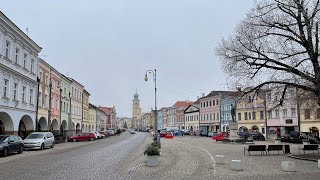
(104, 159)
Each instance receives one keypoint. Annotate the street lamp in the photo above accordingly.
(154, 73)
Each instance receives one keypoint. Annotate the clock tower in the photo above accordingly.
(136, 110)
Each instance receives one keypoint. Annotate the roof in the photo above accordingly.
(179, 105)
(107, 110)
(223, 93)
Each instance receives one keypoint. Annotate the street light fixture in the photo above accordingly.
(154, 73)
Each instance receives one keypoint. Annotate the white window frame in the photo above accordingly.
(8, 48)
(31, 97)
(16, 60)
(24, 89)
(15, 90)
(6, 88)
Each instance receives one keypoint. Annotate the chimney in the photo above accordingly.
(203, 94)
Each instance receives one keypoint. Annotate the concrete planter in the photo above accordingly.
(305, 143)
(152, 161)
(277, 141)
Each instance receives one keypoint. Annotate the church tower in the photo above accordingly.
(136, 110)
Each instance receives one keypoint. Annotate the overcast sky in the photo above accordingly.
(108, 45)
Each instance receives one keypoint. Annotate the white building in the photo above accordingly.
(192, 114)
(76, 105)
(18, 79)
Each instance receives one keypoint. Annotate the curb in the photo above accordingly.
(305, 159)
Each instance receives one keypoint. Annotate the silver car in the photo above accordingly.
(39, 140)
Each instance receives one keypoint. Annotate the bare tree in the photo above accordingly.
(276, 44)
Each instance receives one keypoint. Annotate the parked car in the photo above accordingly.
(311, 137)
(186, 132)
(105, 133)
(219, 136)
(257, 136)
(203, 133)
(163, 133)
(111, 132)
(294, 137)
(83, 137)
(10, 144)
(210, 134)
(178, 133)
(132, 132)
(39, 140)
(99, 135)
(244, 135)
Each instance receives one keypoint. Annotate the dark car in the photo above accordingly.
(257, 136)
(244, 135)
(10, 144)
(294, 137)
(203, 133)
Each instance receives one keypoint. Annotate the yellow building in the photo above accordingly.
(250, 113)
(92, 118)
(309, 117)
(85, 111)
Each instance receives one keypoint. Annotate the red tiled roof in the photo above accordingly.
(180, 104)
(107, 110)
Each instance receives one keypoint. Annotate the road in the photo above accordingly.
(104, 159)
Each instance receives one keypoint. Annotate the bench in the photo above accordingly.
(309, 147)
(261, 148)
(223, 140)
(275, 148)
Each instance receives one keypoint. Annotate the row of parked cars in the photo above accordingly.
(40, 140)
(299, 137)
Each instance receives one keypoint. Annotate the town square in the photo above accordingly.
(172, 89)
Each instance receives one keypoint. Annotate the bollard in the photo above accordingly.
(318, 163)
(220, 159)
(236, 165)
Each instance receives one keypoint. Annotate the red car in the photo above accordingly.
(163, 133)
(83, 137)
(219, 136)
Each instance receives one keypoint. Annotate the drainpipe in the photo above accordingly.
(37, 106)
(298, 109)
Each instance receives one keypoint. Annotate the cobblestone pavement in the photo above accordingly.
(122, 157)
(194, 158)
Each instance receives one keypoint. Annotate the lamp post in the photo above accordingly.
(154, 73)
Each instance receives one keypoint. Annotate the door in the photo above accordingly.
(12, 145)
(47, 141)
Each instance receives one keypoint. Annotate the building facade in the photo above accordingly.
(65, 104)
(85, 111)
(226, 117)
(164, 111)
(192, 117)
(18, 80)
(251, 114)
(44, 95)
(281, 120)
(92, 118)
(76, 105)
(54, 89)
(171, 120)
(309, 116)
(160, 120)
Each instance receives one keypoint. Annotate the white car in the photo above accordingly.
(99, 136)
(39, 140)
(111, 132)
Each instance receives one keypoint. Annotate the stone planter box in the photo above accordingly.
(305, 143)
(152, 161)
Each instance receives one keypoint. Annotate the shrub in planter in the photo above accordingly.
(152, 150)
(152, 153)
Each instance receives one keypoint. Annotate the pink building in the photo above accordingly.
(210, 110)
(281, 120)
(55, 117)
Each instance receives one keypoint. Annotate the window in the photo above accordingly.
(31, 96)
(293, 112)
(24, 94)
(207, 104)
(8, 47)
(15, 91)
(210, 103)
(249, 115)
(67, 108)
(210, 115)
(227, 116)
(254, 115)
(269, 114)
(318, 112)
(5, 88)
(276, 95)
(52, 103)
(32, 66)
(25, 60)
(217, 102)
(261, 115)
(277, 113)
(214, 115)
(46, 101)
(307, 113)
(214, 102)
(269, 97)
(16, 59)
(263, 130)
(57, 104)
(291, 93)
(40, 76)
(200, 105)
(250, 100)
(239, 116)
(40, 99)
(52, 84)
(47, 80)
(284, 113)
(218, 116)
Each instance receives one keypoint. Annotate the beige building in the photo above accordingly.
(309, 116)
(85, 111)
(92, 118)
(191, 115)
